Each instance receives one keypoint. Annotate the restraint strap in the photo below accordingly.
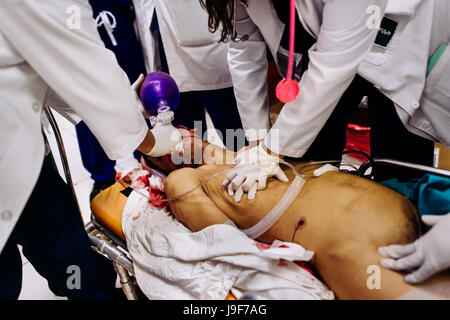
(277, 211)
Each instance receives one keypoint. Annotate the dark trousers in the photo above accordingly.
(388, 136)
(54, 241)
(130, 57)
(94, 159)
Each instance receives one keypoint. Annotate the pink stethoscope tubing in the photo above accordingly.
(287, 89)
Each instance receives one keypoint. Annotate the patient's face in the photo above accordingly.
(166, 163)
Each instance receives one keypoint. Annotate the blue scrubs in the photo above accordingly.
(130, 57)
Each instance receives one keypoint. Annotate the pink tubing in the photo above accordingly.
(291, 39)
(287, 89)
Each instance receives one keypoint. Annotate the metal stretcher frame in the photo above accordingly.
(102, 240)
(106, 243)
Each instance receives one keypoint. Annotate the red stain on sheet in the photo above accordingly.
(305, 265)
(260, 245)
(282, 263)
(143, 180)
(155, 195)
(136, 217)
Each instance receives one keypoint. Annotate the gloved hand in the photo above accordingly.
(251, 169)
(426, 256)
(167, 140)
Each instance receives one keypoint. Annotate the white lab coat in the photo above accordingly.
(343, 42)
(39, 52)
(399, 71)
(195, 58)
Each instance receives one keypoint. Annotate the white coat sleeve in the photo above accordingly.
(248, 66)
(60, 41)
(345, 37)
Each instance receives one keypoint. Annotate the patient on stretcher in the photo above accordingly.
(341, 217)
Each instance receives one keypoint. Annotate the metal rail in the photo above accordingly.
(414, 166)
(122, 264)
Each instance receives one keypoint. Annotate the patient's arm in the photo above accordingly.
(196, 153)
(196, 210)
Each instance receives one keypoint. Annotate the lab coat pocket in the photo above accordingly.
(435, 104)
(189, 22)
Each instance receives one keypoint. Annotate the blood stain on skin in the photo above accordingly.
(301, 224)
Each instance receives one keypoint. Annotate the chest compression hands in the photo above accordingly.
(251, 170)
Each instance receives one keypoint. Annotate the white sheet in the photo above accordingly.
(171, 262)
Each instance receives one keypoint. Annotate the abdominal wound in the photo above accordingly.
(301, 224)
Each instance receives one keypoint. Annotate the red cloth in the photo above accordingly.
(358, 138)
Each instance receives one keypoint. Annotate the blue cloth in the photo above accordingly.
(130, 57)
(431, 193)
(93, 157)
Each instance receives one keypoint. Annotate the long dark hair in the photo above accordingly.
(220, 13)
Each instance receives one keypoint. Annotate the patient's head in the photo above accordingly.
(166, 163)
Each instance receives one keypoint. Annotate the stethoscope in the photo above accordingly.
(287, 89)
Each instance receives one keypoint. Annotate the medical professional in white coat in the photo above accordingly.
(46, 47)
(407, 67)
(175, 38)
(346, 33)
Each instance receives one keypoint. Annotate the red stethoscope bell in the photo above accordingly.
(287, 90)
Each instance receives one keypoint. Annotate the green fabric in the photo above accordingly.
(434, 59)
(431, 193)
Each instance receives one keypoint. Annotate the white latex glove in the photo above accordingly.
(251, 169)
(426, 256)
(167, 139)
